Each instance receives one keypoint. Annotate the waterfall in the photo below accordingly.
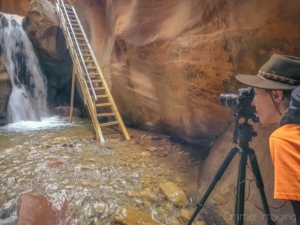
(28, 100)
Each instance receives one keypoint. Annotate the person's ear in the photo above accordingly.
(277, 95)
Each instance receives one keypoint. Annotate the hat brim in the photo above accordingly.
(260, 82)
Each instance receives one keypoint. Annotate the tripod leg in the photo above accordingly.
(217, 177)
(260, 185)
(240, 194)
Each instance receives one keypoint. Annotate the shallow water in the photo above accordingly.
(93, 175)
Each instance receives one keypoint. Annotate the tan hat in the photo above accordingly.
(280, 72)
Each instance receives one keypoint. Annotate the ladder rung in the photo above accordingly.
(80, 39)
(106, 114)
(85, 55)
(67, 7)
(91, 68)
(102, 96)
(94, 74)
(75, 29)
(109, 123)
(82, 44)
(95, 81)
(84, 50)
(88, 60)
(97, 88)
(103, 104)
(73, 26)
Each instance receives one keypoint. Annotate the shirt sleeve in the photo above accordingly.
(286, 159)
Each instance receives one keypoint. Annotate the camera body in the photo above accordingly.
(241, 102)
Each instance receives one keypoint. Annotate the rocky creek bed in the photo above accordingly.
(87, 182)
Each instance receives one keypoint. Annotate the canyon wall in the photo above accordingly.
(168, 61)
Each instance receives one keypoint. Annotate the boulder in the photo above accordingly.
(173, 193)
(38, 210)
(64, 111)
(128, 215)
(42, 26)
(5, 91)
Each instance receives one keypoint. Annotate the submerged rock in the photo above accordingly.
(128, 215)
(174, 193)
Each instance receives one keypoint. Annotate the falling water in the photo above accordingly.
(28, 98)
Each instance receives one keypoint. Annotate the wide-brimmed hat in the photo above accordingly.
(280, 72)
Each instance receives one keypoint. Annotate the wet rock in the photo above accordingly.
(133, 193)
(135, 165)
(49, 136)
(174, 222)
(163, 154)
(135, 142)
(55, 163)
(89, 167)
(5, 91)
(152, 149)
(91, 183)
(145, 193)
(143, 136)
(128, 215)
(9, 212)
(173, 193)
(101, 208)
(159, 137)
(67, 145)
(91, 160)
(45, 146)
(146, 154)
(54, 142)
(38, 210)
(179, 179)
(186, 214)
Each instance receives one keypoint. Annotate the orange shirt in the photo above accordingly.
(285, 153)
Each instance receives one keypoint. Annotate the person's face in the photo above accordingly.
(264, 105)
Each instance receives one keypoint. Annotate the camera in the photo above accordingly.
(241, 102)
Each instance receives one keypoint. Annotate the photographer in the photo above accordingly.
(277, 99)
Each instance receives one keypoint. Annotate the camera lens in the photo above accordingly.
(229, 100)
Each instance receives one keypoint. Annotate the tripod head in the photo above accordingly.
(241, 102)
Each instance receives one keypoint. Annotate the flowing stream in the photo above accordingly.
(28, 100)
(93, 178)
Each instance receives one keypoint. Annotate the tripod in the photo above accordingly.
(243, 133)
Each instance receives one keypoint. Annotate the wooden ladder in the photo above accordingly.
(86, 71)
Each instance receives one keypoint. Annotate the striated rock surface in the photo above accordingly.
(42, 26)
(18, 7)
(168, 61)
(5, 90)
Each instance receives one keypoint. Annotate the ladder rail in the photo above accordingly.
(90, 97)
(77, 45)
(117, 114)
(89, 101)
